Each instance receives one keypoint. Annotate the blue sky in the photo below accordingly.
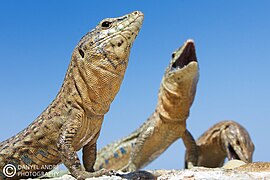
(233, 48)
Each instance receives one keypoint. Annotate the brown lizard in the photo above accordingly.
(166, 124)
(73, 120)
(224, 139)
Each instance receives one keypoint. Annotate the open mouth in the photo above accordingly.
(186, 55)
(232, 153)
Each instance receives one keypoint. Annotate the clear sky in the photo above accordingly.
(233, 48)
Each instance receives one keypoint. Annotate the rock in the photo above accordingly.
(196, 173)
(233, 164)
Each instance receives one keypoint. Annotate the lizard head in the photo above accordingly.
(179, 82)
(108, 45)
(183, 66)
(101, 58)
(237, 143)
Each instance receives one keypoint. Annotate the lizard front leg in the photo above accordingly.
(89, 156)
(191, 157)
(69, 156)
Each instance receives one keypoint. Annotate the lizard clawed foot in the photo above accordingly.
(84, 174)
(190, 165)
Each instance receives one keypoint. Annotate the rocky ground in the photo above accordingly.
(191, 174)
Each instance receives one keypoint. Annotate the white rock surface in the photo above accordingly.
(197, 173)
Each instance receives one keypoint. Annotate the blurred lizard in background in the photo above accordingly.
(226, 139)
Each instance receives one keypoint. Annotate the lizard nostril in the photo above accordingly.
(120, 43)
(173, 54)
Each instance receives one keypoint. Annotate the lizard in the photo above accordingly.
(224, 139)
(166, 124)
(74, 118)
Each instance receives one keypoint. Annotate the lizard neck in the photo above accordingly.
(89, 87)
(174, 104)
(69, 95)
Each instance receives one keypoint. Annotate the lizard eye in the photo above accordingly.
(106, 24)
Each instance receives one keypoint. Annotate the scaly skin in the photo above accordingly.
(226, 139)
(73, 120)
(166, 124)
(255, 167)
(238, 165)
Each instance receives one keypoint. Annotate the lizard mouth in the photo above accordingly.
(186, 55)
(232, 154)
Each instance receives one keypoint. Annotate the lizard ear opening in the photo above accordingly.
(81, 53)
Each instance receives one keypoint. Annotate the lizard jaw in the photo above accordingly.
(184, 56)
(183, 67)
(232, 153)
(237, 143)
(236, 152)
